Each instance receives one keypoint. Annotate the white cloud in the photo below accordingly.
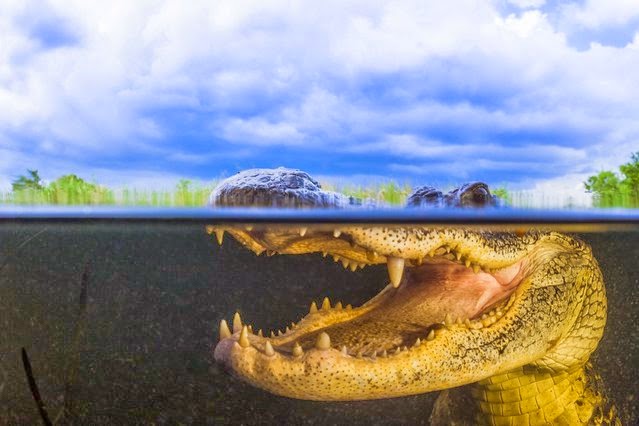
(361, 77)
(525, 4)
(258, 131)
(560, 192)
(597, 13)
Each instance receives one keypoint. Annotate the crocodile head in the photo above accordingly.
(462, 306)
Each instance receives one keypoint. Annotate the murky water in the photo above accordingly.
(119, 321)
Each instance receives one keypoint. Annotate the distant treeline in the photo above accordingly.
(616, 189)
(29, 189)
(72, 190)
(609, 189)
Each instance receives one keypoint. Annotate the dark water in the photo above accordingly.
(131, 343)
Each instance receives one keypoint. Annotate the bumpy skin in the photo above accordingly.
(473, 194)
(279, 187)
(517, 354)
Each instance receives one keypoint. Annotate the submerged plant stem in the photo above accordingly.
(34, 389)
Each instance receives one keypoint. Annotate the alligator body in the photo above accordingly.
(504, 324)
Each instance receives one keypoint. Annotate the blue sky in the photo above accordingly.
(533, 93)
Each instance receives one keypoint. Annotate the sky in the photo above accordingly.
(535, 94)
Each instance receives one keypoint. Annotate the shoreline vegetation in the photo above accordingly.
(608, 189)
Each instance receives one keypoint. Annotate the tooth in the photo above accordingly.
(303, 231)
(458, 255)
(323, 341)
(270, 253)
(337, 233)
(244, 341)
(467, 323)
(326, 304)
(476, 268)
(374, 355)
(353, 266)
(384, 354)
(447, 249)
(237, 323)
(418, 342)
(268, 349)
(249, 228)
(448, 320)
(344, 350)
(335, 258)
(345, 262)
(250, 328)
(349, 306)
(287, 329)
(224, 330)
(219, 235)
(272, 335)
(431, 335)
(259, 333)
(338, 305)
(459, 321)
(395, 270)
(324, 254)
(279, 332)
(467, 262)
(313, 308)
(297, 350)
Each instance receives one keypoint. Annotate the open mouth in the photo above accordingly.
(440, 290)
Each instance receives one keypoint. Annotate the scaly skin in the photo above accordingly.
(515, 318)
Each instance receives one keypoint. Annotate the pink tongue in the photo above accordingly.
(432, 291)
(425, 296)
(448, 288)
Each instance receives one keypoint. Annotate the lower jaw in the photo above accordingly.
(397, 318)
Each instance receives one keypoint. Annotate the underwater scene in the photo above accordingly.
(268, 212)
(457, 312)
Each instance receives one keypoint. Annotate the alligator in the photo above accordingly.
(502, 323)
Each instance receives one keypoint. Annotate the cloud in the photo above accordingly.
(595, 14)
(519, 90)
(258, 131)
(525, 4)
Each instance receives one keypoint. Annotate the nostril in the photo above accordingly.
(480, 195)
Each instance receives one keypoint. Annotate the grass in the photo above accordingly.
(185, 194)
(79, 192)
(70, 190)
(193, 197)
(389, 193)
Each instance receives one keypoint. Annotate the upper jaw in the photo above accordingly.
(356, 247)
